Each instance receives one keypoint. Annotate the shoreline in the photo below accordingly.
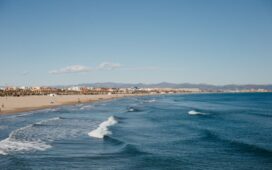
(13, 105)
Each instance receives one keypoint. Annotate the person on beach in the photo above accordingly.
(2, 106)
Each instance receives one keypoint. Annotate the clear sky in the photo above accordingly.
(54, 42)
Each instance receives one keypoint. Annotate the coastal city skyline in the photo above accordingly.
(66, 42)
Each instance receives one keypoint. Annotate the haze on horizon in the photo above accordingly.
(72, 42)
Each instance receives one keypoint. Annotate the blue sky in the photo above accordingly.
(69, 42)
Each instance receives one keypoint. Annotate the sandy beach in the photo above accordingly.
(30, 103)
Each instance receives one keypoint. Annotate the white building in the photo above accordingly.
(74, 88)
(52, 95)
(23, 88)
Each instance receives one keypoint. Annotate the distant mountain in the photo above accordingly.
(180, 85)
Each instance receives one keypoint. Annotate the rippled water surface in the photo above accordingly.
(196, 131)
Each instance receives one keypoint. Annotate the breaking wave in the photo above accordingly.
(12, 144)
(193, 112)
(47, 120)
(102, 129)
(18, 141)
(87, 107)
(151, 101)
(133, 109)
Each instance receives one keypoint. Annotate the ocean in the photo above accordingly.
(189, 131)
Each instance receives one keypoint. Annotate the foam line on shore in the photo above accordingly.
(38, 103)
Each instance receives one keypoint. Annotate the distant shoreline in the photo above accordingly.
(11, 105)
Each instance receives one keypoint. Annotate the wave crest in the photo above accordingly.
(133, 109)
(151, 101)
(193, 112)
(102, 129)
(87, 107)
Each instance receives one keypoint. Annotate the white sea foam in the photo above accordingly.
(86, 107)
(102, 129)
(193, 112)
(151, 101)
(37, 111)
(12, 144)
(25, 139)
(53, 110)
(131, 109)
(25, 114)
(9, 145)
(2, 153)
(47, 120)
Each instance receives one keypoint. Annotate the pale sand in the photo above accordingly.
(30, 103)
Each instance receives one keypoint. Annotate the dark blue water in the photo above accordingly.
(197, 131)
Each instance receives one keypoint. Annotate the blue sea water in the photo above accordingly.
(194, 131)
